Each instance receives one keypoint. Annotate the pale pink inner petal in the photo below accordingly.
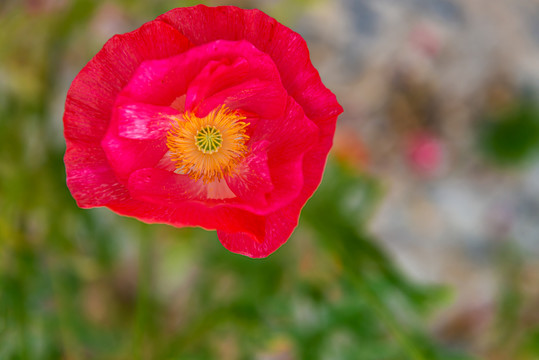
(166, 163)
(144, 122)
(179, 104)
(218, 190)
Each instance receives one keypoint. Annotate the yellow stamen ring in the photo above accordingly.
(208, 148)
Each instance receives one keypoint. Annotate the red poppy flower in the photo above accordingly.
(211, 117)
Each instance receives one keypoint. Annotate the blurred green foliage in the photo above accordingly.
(89, 284)
(511, 136)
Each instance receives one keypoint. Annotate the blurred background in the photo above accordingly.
(421, 243)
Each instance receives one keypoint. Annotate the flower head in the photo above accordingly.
(208, 148)
(211, 117)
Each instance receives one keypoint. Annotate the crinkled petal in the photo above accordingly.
(289, 134)
(280, 224)
(245, 189)
(93, 92)
(252, 181)
(287, 49)
(128, 155)
(161, 82)
(278, 227)
(252, 86)
(265, 99)
(89, 105)
(168, 188)
(89, 177)
(290, 138)
(163, 187)
(193, 214)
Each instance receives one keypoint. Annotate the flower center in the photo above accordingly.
(209, 139)
(208, 148)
